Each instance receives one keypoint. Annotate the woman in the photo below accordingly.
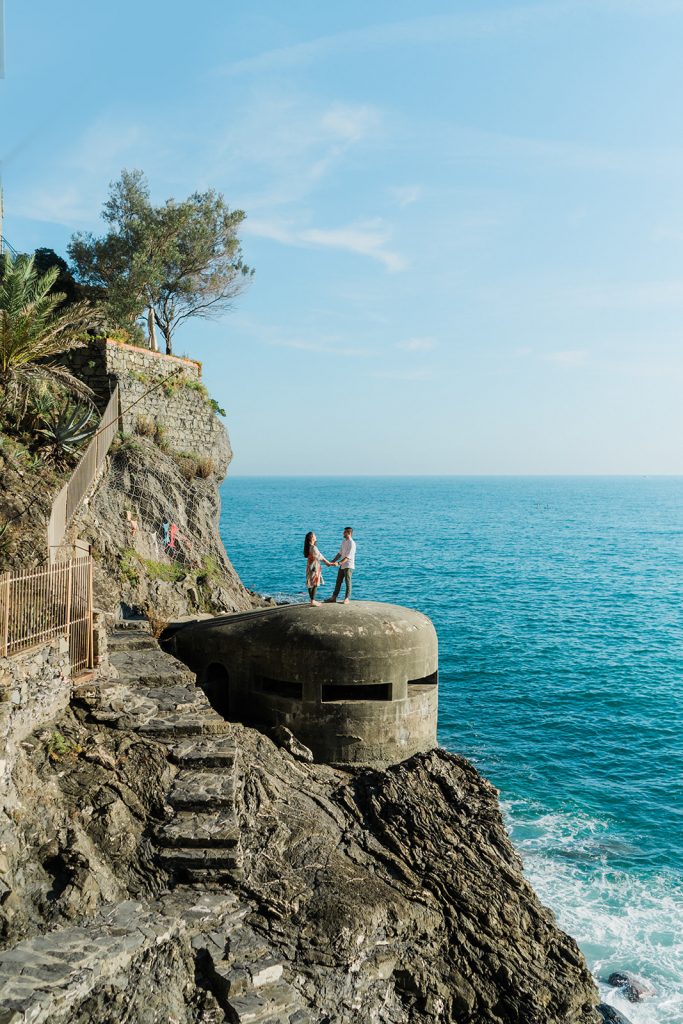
(314, 576)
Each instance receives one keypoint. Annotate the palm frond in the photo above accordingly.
(34, 329)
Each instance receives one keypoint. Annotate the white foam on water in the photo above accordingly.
(620, 920)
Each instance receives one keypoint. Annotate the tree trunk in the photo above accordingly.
(152, 330)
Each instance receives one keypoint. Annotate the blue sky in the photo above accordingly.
(466, 219)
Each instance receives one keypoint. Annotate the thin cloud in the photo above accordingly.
(417, 344)
(405, 195)
(77, 182)
(419, 374)
(425, 30)
(569, 358)
(364, 238)
(290, 144)
(442, 28)
(324, 348)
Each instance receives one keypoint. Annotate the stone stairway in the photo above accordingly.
(156, 695)
(201, 842)
(247, 979)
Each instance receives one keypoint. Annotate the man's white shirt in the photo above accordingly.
(348, 553)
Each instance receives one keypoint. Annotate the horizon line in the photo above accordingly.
(441, 476)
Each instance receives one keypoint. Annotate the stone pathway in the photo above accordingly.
(49, 977)
(156, 695)
(43, 978)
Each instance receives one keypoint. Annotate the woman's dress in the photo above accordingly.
(314, 576)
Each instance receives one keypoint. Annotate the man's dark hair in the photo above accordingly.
(348, 529)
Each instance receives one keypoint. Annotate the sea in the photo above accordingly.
(558, 602)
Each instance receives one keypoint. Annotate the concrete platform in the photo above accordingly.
(355, 683)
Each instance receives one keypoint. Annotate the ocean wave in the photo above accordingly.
(621, 921)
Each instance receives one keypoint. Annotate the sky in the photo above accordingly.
(466, 218)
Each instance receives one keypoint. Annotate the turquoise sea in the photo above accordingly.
(559, 608)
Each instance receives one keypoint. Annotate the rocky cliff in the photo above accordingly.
(161, 864)
(152, 521)
(154, 536)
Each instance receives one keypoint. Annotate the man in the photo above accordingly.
(346, 556)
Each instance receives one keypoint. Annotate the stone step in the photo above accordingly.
(172, 727)
(151, 668)
(266, 970)
(131, 641)
(301, 1017)
(202, 790)
(241, 979)
(132, 626)
(272, 1004)
(246, 946)
(198, 858)
(209, 753)
(208, 879)
(203, 829)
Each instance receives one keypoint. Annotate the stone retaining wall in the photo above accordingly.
(35, 687)
(155, 389)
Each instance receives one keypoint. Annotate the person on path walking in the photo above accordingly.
(314, 557)
(346, 557)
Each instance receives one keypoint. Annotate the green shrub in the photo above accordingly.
(209, 572)
(168, 572)
(216, 407)
(192, 465)
(196, 385)
(129, 567)
(126, 444)
(59, 746)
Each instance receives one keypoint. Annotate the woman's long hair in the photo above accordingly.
(307, 543)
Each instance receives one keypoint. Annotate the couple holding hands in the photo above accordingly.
(345, 559)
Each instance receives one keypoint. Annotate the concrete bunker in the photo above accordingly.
(357, 683)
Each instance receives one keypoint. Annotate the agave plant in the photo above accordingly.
(33, 329)
(65, 430)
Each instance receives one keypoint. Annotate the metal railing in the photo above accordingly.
(72, 493)
(45, 603)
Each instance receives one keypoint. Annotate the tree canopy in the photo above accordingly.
(163, 264)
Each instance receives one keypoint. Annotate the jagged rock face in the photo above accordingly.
(143, 489)
(399, 897)
(87, 797)
(379, 896)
